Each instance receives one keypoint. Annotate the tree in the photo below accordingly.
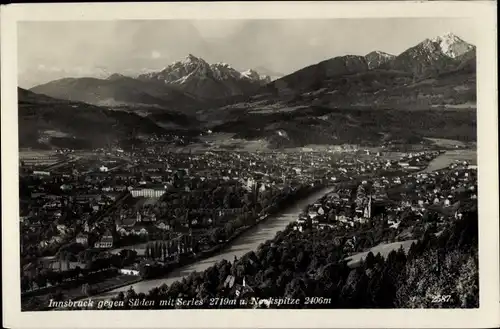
(164, 250)
(152, 251)
(145, 271)
(238, 222)
(369, 261)
(57, 296)
(157, 249)
(228, 229)
(86, 289)
(131, 294)
(227, 201)
(78, 272)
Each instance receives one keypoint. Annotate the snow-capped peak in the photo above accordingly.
(224, 71)
(191, 59)
(193, 71)
(451, 45)
(251, 74)
(448, 36)
(222, 64)
(381, 53)
(255, 76)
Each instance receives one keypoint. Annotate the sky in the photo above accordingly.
(53, 50)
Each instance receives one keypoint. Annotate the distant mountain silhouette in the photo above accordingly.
(431, 56)
(348, 99)
(117, 90)
(377, 58)
(207, 81)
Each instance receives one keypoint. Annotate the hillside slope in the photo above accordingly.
(118, 91)
(45, 122)
(369, 108)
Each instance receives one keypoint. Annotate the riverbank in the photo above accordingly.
(238, 246)
(448, 157)
(120, 281)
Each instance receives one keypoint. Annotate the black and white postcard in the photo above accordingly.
(181, 165)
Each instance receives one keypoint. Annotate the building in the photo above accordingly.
(41, 173)
(82, 239)
(148, 192)
(130, 271)
(368, 209)
(106, 241)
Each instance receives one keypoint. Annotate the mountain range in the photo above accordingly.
(377, 58)
(437, 74)
(185, 84)
(207, 81)
(432, 56)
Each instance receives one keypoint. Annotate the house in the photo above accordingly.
(146, 217)
(361, 220)
(125, 222)
(130, 271)
(139, 230)
(322, 226)
(30, 269)
(110, 195)
(106, 241)
(82, 239)
(41, 173)
(66, 187)
(163, 225)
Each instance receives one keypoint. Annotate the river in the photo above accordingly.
(246, 242)
(447, 158)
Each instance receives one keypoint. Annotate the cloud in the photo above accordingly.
(155, 54)
(314, 41)
(73, 48)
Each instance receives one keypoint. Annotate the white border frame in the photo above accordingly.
(483, 12)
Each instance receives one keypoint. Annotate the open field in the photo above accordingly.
(29, 153)
(382, 249)
(446, 142)
(223, 141)
(447, 158)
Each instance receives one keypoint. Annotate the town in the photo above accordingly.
(94, 221)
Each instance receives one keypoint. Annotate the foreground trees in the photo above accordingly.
(309, 264)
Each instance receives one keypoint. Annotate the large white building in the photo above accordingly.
(148, 192)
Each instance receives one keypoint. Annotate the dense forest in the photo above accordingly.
(365, 126)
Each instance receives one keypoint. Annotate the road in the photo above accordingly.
(248, 241)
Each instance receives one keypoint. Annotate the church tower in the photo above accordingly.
(368, 208)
